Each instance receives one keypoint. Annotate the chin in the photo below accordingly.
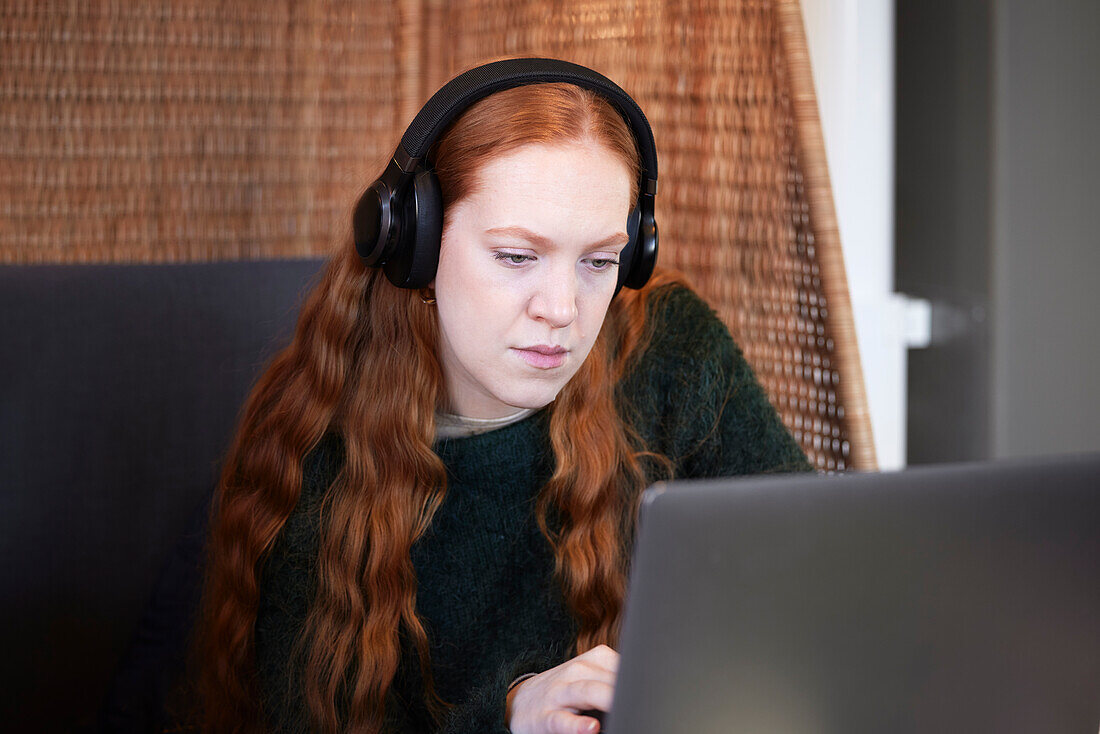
(530, 399)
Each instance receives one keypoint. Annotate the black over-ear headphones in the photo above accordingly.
(398, 221)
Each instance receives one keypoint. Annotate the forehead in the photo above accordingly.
(575, 176)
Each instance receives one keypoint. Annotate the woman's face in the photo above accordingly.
(526, 273)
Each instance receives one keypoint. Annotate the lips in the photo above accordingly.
(543, 356)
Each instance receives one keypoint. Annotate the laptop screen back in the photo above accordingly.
(960, 598)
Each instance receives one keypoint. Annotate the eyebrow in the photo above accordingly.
(619, 238)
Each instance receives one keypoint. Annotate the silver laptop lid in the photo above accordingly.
(960, 598)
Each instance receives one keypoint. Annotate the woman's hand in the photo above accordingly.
(548, 703)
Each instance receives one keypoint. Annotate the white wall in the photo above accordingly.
(851, 46)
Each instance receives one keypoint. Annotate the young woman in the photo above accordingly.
(425, 519)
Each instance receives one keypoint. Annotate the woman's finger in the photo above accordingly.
(587, 694)
(565, 722)
(586, 670)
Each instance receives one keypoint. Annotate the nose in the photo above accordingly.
(555, 300)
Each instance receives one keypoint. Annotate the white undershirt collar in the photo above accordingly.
(448, 425)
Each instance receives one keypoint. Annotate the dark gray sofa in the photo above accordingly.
(119, 389)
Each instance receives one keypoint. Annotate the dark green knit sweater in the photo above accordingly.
(485, 573)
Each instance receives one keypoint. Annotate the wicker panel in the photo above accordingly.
(200, 130)
(734, 209)
(188, 130)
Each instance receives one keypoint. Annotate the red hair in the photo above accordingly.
(357, 331)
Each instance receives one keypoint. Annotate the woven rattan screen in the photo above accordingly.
(190, 130)
(206, 130)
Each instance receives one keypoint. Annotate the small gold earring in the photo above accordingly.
(427, 295)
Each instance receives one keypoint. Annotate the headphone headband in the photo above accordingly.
(398, 219)
(457, 95)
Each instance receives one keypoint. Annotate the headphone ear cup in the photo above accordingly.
(414, 265)
(644, 255)
(371, 224)
(629, 254)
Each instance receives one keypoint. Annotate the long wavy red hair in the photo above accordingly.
(355, 334)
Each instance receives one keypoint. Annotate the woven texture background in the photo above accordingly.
(194, 130)
(198, 130)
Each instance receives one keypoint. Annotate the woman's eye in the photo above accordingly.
(512, 258)
(603, 263)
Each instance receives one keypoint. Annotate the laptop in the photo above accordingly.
(957, 598)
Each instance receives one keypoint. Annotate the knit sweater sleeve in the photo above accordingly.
(483, 710)
(698, 401)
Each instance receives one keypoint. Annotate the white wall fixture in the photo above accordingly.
(852, 55)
